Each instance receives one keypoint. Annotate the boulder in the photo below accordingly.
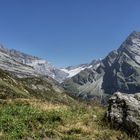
(124, 112)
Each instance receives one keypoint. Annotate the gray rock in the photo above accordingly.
(137, 96)
(124, 71)
(124, 111)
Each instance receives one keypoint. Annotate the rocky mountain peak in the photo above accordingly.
(132, 37)
(124, 71)
(130, 48)
(132, 41)
(135, 34)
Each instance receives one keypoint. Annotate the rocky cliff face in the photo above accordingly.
(118, 71)
(26, 65)
(124, 72)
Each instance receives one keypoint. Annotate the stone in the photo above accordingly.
(124, 112)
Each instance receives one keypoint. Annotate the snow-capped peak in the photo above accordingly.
(74, 70)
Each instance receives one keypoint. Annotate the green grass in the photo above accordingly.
(22, 120)
(41, 113)
(18, 121)
(9, 90)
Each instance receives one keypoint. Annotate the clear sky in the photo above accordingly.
(67, 32)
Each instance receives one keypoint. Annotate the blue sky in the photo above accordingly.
(67, 32)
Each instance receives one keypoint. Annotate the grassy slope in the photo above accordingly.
(25, 118)
(31, 108)
(12, 87)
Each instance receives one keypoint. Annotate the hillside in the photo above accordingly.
(12, 87)
(39, 120)
(37, 108)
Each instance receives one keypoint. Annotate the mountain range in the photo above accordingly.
(24, 65)
(118, 71)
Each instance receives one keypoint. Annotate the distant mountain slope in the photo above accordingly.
(74, 70)
(26, 65)
(119, 71)
(47, 89)
(85, 84)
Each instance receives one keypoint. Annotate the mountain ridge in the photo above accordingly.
(74, 70)
(27, 65)
(23, 65)
(118, 71)
(120, 67)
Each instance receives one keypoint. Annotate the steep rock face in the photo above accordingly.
(26, 65)
(12, 64)
(124, 72)
(124, 111)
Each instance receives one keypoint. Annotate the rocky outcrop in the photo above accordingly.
(124, 112)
